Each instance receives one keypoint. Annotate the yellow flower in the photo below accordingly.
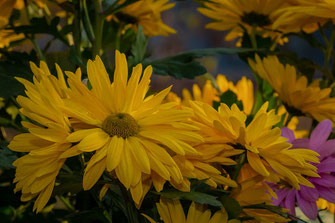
(323, 204)
(305, 15)
(7, 36)
(252, 191)
(243, 89)
(171, 211)
(237, 15)
(146, 13)
(131, 134)
(45, 143)
(267, 152)
(293, 91)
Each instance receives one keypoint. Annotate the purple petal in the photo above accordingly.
(326, 180)
(326, 149)
(287, 133)
(326, 193)
(326, 165)
(289, 202)
(281, 194)
(308, 193)
(309, 208)
(300, 144)
(320, 134)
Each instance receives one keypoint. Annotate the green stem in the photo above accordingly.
(241, 161)
(99, 23)
(131, 214)
(67, 203)
(87, 23)
(77, 29)
(290, 116)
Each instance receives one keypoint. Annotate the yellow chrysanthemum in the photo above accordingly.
(323, 204)
(146, 13)
(252, 191)
(267, 152)
(293, 91)
(171, 211)
(45, 143)
(131, 134)
(7, 36)
(305, 15)
(243, 89)
(237, 15)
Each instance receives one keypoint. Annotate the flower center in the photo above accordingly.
(120, 124)
(254, 18)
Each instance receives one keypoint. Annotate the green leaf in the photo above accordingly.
(14, 64)
(229, 98)
(198, 197)
(41, 26)
(232, 206)
(138, 48)
(69, 183)
(7, 157)
(184, 65)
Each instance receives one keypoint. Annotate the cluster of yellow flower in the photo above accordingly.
(142, 140)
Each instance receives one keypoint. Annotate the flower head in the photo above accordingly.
(147, 13)
(293, 91)
(45, 143)
(238, 15)
(134, 136)
(324, 185)
(266, 151)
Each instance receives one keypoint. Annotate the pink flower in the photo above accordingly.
(306, 197)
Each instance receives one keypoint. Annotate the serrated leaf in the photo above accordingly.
(138, 48)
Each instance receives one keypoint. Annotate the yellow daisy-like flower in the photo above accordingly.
(7, 36)
(131, 134)
(243, 89)
(45, 143)
(146, 13)
(252, 191)
(305, 15)
(293, 91)
(236, 15)
(171, 211)
(267, 152)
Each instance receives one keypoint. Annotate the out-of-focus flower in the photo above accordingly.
(305, 15)
(171, 211)
(239, 15)
(267, 152)
(8, 36)
(293, 91)
(146, 13)
(252, 191)
(45, 143)
(243, 89)
(324, 185)
(132, 135)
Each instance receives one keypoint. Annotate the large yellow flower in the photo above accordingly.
(146, 13)
(267, 152)
(243, 89)
(45, 143)
(236, 15)
(171, 211)
(131, 134)
(293, 91)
